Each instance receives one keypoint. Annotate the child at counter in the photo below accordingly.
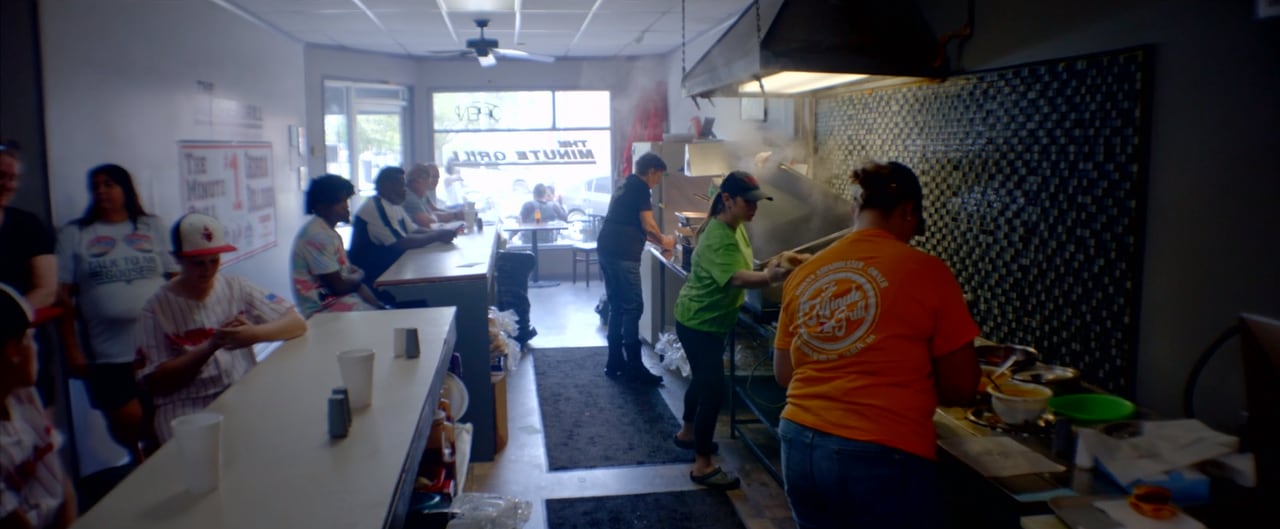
(196, 333)
(35, 490)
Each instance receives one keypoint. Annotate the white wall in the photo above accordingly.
(120, 86)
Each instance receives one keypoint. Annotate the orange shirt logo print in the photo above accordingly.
(838, 309)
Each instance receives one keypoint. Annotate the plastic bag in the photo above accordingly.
(673, 357)
(477, 510)
(505, 321)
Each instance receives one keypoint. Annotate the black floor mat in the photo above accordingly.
(693, 509)
(592, 421)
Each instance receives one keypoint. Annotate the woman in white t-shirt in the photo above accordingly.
(110, 261)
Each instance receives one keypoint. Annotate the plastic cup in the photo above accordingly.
(199, 438)
(356, 366)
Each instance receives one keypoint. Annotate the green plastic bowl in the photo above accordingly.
(1092, 407)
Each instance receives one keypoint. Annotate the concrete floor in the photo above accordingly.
(564, 317)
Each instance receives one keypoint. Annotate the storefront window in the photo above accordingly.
(503, 144)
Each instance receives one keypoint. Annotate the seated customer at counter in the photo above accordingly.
(323, 279)
(34, 491)
(382, 230)
(195, 334)
(872, 336)
(420, 202)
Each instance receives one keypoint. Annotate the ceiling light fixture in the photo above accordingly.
(481, 5)
(796, 82)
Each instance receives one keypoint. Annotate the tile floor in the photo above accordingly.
(564, 317)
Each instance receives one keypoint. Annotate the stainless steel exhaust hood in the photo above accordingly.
(796, 46)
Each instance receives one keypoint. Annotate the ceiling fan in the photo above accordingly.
(487, 51)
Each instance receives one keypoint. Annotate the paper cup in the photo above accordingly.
(199, 438)
(356, 367)
(406, 342)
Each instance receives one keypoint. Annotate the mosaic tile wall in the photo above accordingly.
(1034, 188)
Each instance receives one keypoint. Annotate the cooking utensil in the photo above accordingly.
(996, 354)
(1056, 377)
(992, 376)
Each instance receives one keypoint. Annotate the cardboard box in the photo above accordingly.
(500, 414)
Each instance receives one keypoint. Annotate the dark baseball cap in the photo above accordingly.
(742, 184)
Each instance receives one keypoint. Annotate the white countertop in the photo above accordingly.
(469, 256)
(280, 468)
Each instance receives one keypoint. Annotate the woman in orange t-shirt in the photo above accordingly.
(872, 336)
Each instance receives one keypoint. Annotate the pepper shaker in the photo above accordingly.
(346, 402)
(338, 424)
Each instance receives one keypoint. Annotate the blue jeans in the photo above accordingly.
(622, 286)
(834, 482)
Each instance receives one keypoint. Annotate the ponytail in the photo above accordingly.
(717, 207)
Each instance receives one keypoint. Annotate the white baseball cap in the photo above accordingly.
(196, 234)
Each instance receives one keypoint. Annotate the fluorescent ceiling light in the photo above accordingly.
(796, 82)
(480, 5)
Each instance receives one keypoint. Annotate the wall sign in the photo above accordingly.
(231, 182)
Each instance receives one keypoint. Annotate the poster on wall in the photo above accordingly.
(231, 182)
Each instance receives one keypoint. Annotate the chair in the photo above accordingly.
(585, 252)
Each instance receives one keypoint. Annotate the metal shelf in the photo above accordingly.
(763, 416)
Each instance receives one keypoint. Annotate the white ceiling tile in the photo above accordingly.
(276, 6)
(559, 38)
(465, 22)
(412, 20)
(647, 6)
(594, 51)
(480, 5)
(622, 21)
(375, 5)
(552, 20)
(557, 5)
(547, 26)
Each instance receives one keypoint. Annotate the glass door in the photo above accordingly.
(364, 130)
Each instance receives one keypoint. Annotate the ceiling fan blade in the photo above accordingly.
(487, 61)
(522, 55)
(452, 53)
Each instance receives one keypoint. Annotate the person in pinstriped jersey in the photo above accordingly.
(195, 335)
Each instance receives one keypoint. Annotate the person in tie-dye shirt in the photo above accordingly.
(324, 280)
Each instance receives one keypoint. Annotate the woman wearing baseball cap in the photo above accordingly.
(195, 335)
(706, 310)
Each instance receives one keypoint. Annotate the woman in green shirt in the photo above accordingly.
(707, 310)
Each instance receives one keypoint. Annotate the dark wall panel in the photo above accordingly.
(1034, 189)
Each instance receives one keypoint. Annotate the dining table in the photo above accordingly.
(280, 467)
(536, 228)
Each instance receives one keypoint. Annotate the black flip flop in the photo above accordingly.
(717, 479)
(690, 445)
